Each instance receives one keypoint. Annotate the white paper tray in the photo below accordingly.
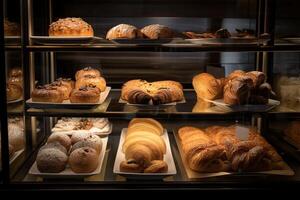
(168, 158)
(67, 104)
(68, 173)
(255, 108)
(192, 174)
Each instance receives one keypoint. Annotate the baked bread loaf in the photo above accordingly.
(47, 93)
(13, 91)
(65, 90)
(70, 26)
(87, 71)
(123, 31)
(157, 31)
(51, 160)
(84, 160)
(207, 86)
(67, 82)
(55, 145)
(79, 136)
(91, 81)
(159, 92)
(63, 139)
(11, 28)
(85, 95)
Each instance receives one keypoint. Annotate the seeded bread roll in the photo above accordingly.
(70, 27)
(123, 31)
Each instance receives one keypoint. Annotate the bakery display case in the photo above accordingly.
(122, 94)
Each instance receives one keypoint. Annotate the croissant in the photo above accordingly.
(157, 166)
(138, 97)
(143, 124)
(257, 77)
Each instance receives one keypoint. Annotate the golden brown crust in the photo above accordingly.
(70, 27)
(123, 31)
(14, 91)
(85, 95)
(207, 86)
(84, 160)
(87, 71)
(157, 166)
(47, 94)
(91, 81)
(157, 31)
(130, 166)
(160, 92)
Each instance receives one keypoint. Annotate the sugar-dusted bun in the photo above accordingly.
(93, 141)
(55, 145)
(84, 160)
(131, 166)
(91, 81)
(47, 94)
(123, 31)
(70, 27)
(85, 95)
(207, 86)
(157, 31)
(51, 160)
(87, 71)
(79, 136)
(14, 91)
(63, 139)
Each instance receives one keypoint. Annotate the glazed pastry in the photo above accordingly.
(63, 139)
(85, 95)
(122, 31)
(11, 28)
(70, 27)
(47, 94)
(91, 81)
(157, 166)
(130, 166)
(207, 86)
(51, 160)
(159, 92)
(87, 71)
(84, 160)
(237, 91)
(157, 31)
(13, 91)
(257, 77)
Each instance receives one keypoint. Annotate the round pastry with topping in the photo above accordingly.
(70, 26)
(123, 31)
(91, 81)
(85, 95)
(84, 160)
(79, 136)
(66, 82)
(65, 90)
(47, 93)
(93, 141)
(87, 71)
(63, 139)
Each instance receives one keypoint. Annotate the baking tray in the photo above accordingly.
(66, 104)
(68, 40)
(196, 175)
(249, 107)
(168, 158)
(68, 173)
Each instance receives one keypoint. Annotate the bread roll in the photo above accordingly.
(91, 81)
(55, 145)
(79, 136)
(65, 90)
(70, 27)
(157, 31)
(207, 86)
(87, 71)
(93, 141)
(122, 31)
(47, 94)
(85, 95)
(63, 139)
(51, 160)
(84, 160)
(14, 91)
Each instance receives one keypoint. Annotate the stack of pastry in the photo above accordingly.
(126, 31)
(218, 148)
(144, 147)
(87, 88)
(14, 87)
(81, 152)
(159, 92)
(236, 89)
(70, 26)
(89, 125)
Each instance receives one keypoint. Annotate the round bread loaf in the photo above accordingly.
(91, 81)
(93, 141)
(63, 139)
(79, 136)
(51, 160)
(47, 93)
(55, 145)
(70, 27)
(122, 31)
(85, 95)
(87, 71)
(84, 160)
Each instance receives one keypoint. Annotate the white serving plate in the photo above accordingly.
(168, 158)
(68, 173)
(93, 131)
(255, 108)
(196, 175)
(67, 104)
